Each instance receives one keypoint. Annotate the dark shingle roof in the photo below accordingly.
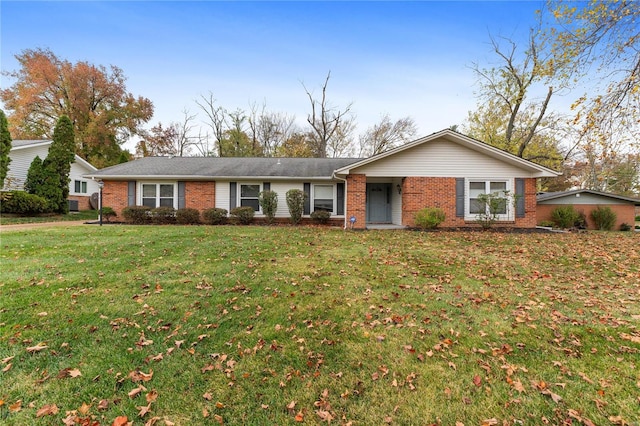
(232, 167)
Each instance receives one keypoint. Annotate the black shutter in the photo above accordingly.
(233, 194)
(266, 186)
(340, 198)
(131, 193)
(520, 210)
(307, 198)
(459, 197)
(182, 202)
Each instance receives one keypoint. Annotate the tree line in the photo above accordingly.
(595, 144)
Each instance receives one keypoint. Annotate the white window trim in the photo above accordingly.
(508, 217)
(86, 184)
(175, 192)
(334, 196)
(239, 194)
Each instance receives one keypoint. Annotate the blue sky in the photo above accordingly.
(402, 58)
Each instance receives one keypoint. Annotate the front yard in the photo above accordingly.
(274, 326)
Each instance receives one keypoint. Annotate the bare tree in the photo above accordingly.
(386, 135)
(217, 120)
(330, 126)
(269, 130)
(175, 139)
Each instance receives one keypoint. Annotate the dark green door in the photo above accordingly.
(378, 203)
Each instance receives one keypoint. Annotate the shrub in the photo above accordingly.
(242, 215)
(565, 216)
(581, 222)
(429, 217)
(321, 216)
(20, 202)
(138, 215)
(625, 227)
(108, 213)
(269, 203)
(215, 216)
(604, 218)
(637, 218)
(188, 216)
(163, 215)
(295, 202)
(491, 206)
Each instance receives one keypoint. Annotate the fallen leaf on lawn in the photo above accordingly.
(144, 410)
(554, 396)
(47, 410)
(37, 348)
(207, 396)
(103, 404)
(490, 422)
(139, 376)
(517, 385)
(324, 415)
(219, 405)
(84, 408)
(630, 337)
(205, 413)
(136, 391)
(299, 417)
(152, 421)
(218, 419)
(120, 421)
(69, 372)
(152, 396)
(618, 420)
(7, 368)
(477, 380)
(42, 314)
(452, 365)
(16, 406)
(7, 359)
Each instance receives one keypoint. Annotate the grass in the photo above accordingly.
(283, 325)
(81, 215)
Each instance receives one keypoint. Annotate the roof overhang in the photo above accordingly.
(97, 176)
(554, 196)
(535, 169)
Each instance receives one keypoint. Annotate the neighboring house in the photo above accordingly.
(445, 169)
(22, 154)
(585, 201)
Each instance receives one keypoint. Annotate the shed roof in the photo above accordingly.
(196, 168)
(546, 196)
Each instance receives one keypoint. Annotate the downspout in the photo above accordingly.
(334, 176)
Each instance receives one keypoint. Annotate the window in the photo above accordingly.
(158, 195)
(476, 206)
(80, 187)
(249, 194)
(323, 198)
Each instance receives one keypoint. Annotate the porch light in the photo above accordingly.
(399, 188)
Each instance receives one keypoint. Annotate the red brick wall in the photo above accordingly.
(625, 213)
(115, 195)
(421, 192)
(83, 201)
(357, 199)
(200, 195)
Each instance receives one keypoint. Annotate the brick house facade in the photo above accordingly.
(445, 169)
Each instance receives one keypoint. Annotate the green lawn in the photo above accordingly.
(282, 325)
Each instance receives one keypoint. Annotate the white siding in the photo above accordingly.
(21, 160)
(222, 194)
(19, 166)
(583, 199)
(77, 170)
(281, 189)
(441, 158)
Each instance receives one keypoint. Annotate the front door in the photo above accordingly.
(378, 203)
